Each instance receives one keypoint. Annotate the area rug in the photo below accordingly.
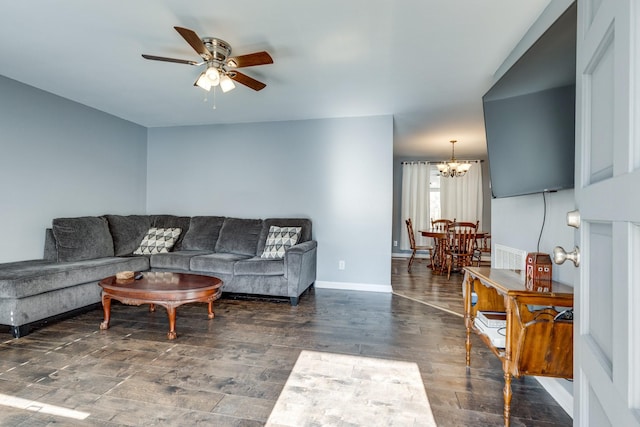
(327, 389)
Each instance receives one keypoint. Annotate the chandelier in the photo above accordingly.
(453, 168)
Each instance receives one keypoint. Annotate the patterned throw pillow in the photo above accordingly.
(280, 239)
(158, 241)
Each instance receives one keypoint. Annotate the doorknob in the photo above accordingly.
(560, 255)
(573, 219)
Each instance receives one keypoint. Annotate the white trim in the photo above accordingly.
(349, 286)
(558, 392)
(407, 255)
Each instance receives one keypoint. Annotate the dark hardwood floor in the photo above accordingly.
(230, 370)
(423, 286)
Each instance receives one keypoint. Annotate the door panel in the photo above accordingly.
(607, 338)
(598, 86)
(599, 323)
(634, 295)
(597, 417)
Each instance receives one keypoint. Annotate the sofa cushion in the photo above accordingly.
(304, 223)
(25, 278)
(127, 232)
(174, 260)
(279, 240)
(158, 241)
(259, 267)
(239, 236)
(172, 221)
(215, 263)
(203, 233)
(82, 238)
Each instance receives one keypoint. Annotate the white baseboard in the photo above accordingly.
(558, 392)
(408, 255)
(349, 286)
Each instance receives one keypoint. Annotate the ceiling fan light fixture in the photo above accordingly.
(216, 57)
(213, 75)
(203, 82)
(226, 84)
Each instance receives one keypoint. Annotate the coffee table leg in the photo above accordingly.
(211, 313)
(152, 307)
(106, 306)
(171, 311)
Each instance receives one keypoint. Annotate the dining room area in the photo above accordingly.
(432, 274)
(441, 223)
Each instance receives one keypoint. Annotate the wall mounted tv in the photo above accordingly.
(529, 116)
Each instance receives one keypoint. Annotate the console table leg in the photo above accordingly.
(468, 347)
(106, 307)
(171, 311)
(467, 316)
(507, 398)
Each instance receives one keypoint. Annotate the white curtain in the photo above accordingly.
(415, 201)
(461, 198)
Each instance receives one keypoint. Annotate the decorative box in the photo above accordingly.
(538, 272)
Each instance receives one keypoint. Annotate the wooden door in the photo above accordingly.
(607, 288)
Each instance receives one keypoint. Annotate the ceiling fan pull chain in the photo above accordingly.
(214, 97)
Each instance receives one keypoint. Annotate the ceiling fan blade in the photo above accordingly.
(162, 58)
(250, 60)
(246, 80)
(194, 41)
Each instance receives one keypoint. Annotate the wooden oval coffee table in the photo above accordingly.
(167, 289)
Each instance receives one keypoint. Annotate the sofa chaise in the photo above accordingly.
(267, 257)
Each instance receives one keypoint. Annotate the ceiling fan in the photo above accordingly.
(220, 70)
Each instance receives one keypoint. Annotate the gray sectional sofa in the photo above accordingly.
(79, 252)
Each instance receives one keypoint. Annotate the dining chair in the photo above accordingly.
(460, 245)
(414, 247)
(483, 247)
(440, 224)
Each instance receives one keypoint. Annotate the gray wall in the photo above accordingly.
(338, 172)
(60, 158)
(516, 220)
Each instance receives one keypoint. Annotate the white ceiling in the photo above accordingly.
(426, 62)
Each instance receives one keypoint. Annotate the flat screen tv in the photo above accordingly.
(529, 116)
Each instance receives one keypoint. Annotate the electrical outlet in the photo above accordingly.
(341, 265)
(395, 243)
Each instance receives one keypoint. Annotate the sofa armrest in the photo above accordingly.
(50, 249)
(300, 266)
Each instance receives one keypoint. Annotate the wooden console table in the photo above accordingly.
(539, 338)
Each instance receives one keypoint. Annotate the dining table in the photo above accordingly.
(439, 242)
